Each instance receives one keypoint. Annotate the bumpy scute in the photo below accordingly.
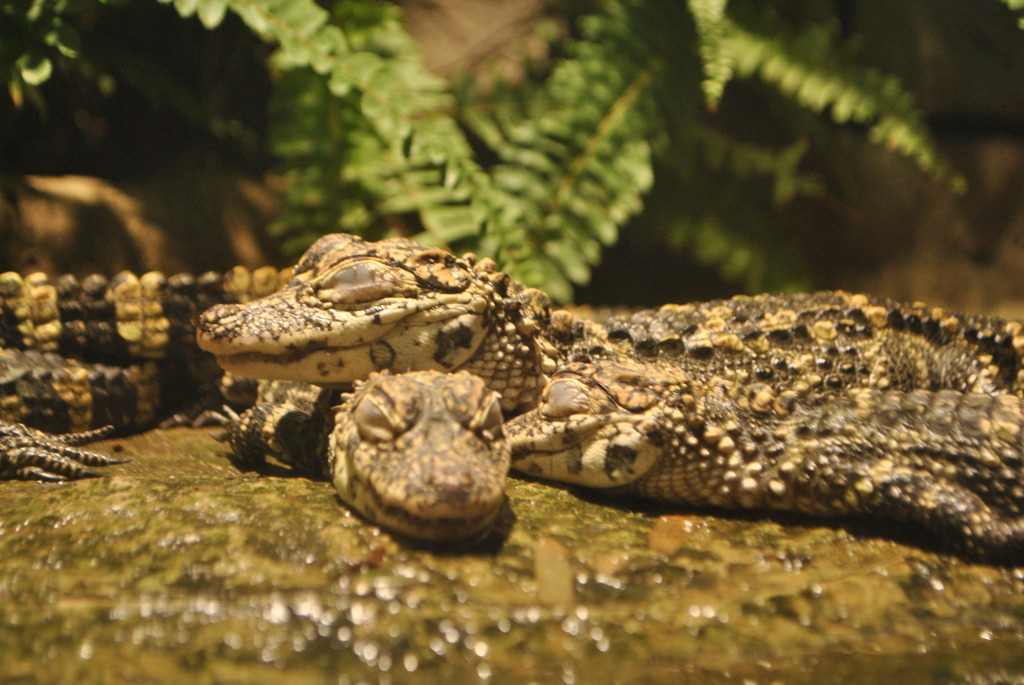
(950, 462)
(78, 355)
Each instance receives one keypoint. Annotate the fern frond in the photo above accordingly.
(721, 223)
(384, 141)
(717, 60)
(395, 90)
(805, 66)
(574, 158)
(31, 33)
(406, 106)
(746, 160)
(370, 142)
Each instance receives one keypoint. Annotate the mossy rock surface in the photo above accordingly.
(180, 567)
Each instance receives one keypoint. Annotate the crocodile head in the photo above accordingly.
(600, 425)
(422, 454)
(355, 306)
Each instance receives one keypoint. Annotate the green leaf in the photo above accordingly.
(186, 8)
(709, 16)
(34, 68)
(211, 12)
(807, 67)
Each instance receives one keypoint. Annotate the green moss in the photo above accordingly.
(178, 566)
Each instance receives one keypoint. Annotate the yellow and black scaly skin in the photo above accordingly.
(949, 462)
(57, 395)
(290, 422)
(823, 342)
(79, 355)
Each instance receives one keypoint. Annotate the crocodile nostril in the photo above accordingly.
(452, 486)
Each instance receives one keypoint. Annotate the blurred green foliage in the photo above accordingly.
(1016, 6)
(31, 31)
(543, 173)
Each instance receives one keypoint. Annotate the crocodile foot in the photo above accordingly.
(30, 454)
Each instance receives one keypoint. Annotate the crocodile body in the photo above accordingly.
(356, 307)
(825, 342)
(787, 369)
(76, 356)
(947, 461)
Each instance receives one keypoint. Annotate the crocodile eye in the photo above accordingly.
(440, 270)
(375, 423)
(360, 282)
(563, 398)
(490, 420)
(371, 422)
(428, 256)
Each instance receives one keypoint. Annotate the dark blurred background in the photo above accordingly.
(153, 153)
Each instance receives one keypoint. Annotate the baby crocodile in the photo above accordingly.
(423, 454)
(355, 306)
(948, 461)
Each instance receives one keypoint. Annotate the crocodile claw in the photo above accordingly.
(30, 454)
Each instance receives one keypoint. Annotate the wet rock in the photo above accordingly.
(180, 566)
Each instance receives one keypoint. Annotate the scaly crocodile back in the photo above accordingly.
(80, 354)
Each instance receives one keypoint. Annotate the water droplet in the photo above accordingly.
(450, 632)
(309, 606)
(361, 613)
(276, 611)
(368, 651)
